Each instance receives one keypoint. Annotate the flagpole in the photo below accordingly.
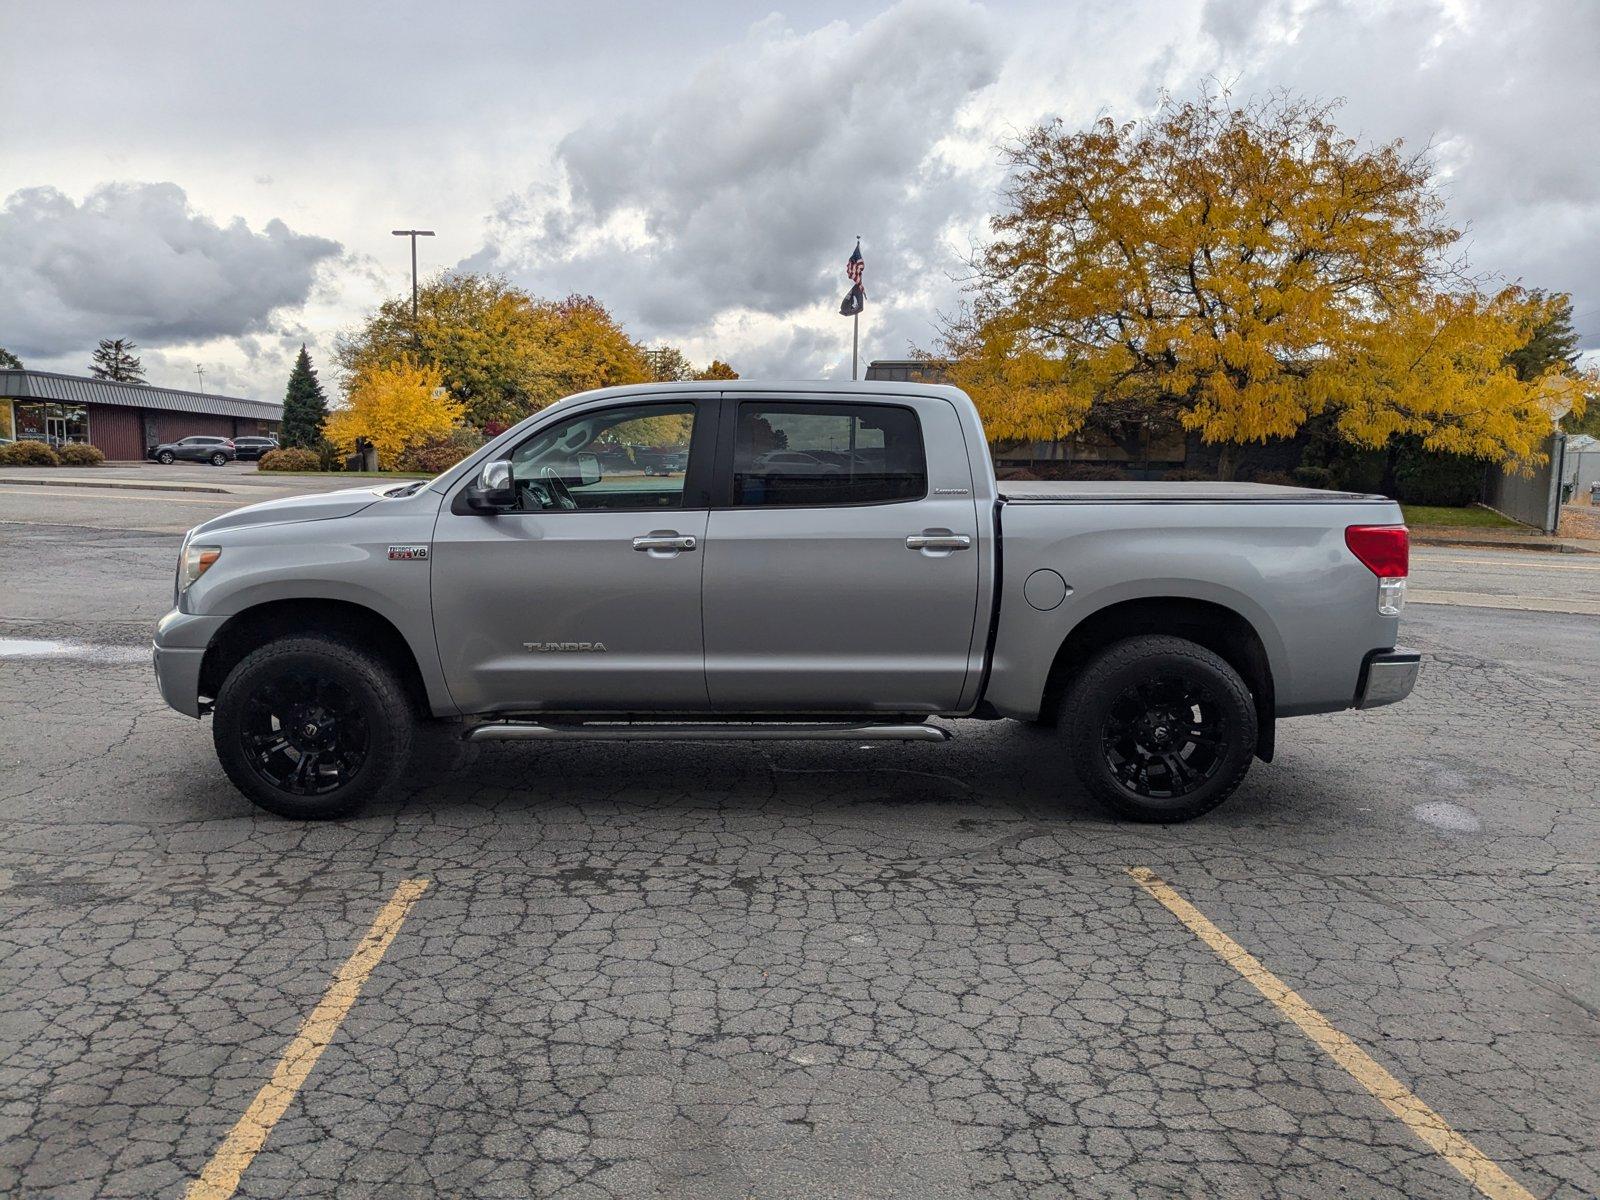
(855, 332)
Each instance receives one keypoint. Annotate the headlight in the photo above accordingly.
(196, 562)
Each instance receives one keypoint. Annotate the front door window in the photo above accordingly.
(618, 459)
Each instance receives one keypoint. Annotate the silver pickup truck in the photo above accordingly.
(802, 561)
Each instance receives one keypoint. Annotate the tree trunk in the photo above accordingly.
(1227, 461)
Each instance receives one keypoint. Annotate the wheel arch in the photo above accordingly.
(1222, 630)
(353, 623)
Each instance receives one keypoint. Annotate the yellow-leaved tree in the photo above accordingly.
(1236, 269)
(395, 406)
(499, 351)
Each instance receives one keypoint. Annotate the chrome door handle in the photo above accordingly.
(938, 541)
(664, 541)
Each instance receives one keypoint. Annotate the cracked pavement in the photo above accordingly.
(791, 970)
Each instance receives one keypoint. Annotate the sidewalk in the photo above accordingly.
(1501, 539)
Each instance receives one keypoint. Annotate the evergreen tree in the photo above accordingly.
(114, 359)
(1553, 341)
(305, 407)
(9, 361)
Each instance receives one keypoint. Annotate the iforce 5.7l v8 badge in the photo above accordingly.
(407, 552)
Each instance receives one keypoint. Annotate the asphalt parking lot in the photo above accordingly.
(807, 970)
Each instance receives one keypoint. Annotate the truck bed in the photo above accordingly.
(1049, 491)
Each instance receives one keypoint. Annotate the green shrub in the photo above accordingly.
(1443, 480)
(1314, 477)
(80, 454)
(28, 454)
(1356, 469)
(290, 458)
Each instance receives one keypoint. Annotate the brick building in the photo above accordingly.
(123, 419)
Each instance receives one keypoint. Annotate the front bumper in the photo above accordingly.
(1387, 677)
(177, 653)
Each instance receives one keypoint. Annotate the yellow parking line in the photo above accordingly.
(222, 1174)
(1480, 1171)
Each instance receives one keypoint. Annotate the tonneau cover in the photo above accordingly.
(1050, 491)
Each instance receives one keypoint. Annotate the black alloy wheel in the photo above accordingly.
(1159, 728)
(1163, 737)
(304, 733)
(311, 727)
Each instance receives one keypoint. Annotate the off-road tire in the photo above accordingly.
(385, 710)
(1086, 722)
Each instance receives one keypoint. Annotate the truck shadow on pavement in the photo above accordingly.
(1006, 771)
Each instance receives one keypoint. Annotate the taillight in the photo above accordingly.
(228, 442)
(1385, 550)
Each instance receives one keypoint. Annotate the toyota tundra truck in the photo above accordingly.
(738, 560)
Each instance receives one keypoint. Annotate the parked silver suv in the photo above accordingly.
(215, 450)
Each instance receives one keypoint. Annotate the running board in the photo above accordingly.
(686, 731)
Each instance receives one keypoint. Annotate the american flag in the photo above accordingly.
(856, 298)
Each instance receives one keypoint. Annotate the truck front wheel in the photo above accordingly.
(1159, 728)
(312, 727)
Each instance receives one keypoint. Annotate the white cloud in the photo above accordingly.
(1505, 94)
(135, 260)
(702, 176)
(741, 191)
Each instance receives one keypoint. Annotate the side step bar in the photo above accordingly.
(686, 731)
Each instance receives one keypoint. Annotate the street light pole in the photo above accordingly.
(413, 234)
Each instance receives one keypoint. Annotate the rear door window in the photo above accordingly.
(806, 455)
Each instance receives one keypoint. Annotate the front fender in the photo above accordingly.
(345, 560)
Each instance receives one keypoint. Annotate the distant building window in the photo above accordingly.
(897, 370)
(58, 424)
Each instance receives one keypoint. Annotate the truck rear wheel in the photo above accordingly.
(1159, 728)
(312, 727)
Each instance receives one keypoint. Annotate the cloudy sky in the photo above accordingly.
(219, 182)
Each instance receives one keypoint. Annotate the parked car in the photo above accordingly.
(1162, 629)
(250, 449)
(661, 462)
(214, 450)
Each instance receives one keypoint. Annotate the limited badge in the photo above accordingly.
(407, 552)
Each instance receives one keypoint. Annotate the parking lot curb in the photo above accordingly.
(127, 484)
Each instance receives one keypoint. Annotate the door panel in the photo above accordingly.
(588, 598)
(827, 608)
(558, 611)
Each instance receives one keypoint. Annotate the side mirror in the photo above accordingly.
(494, 489)
(588, 470)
